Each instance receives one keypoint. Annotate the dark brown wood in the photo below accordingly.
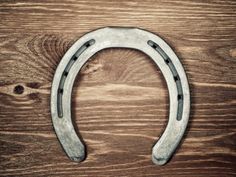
(120, 99)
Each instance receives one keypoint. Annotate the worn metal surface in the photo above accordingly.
(115, 37)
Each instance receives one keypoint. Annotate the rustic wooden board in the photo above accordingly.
(120, 99)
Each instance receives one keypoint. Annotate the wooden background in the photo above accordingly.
(120, 101)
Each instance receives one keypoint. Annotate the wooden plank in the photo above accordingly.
(120, 98)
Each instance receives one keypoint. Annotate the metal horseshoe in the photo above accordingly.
(113, 37)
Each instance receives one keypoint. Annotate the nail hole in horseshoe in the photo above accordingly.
(176, 78)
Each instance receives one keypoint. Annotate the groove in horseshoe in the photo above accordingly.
(66, 72)
(175, 75)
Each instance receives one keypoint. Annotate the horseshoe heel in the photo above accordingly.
(115, 37)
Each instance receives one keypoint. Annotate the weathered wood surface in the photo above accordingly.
(120, 101)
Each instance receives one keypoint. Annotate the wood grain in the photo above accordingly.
(120, 99)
